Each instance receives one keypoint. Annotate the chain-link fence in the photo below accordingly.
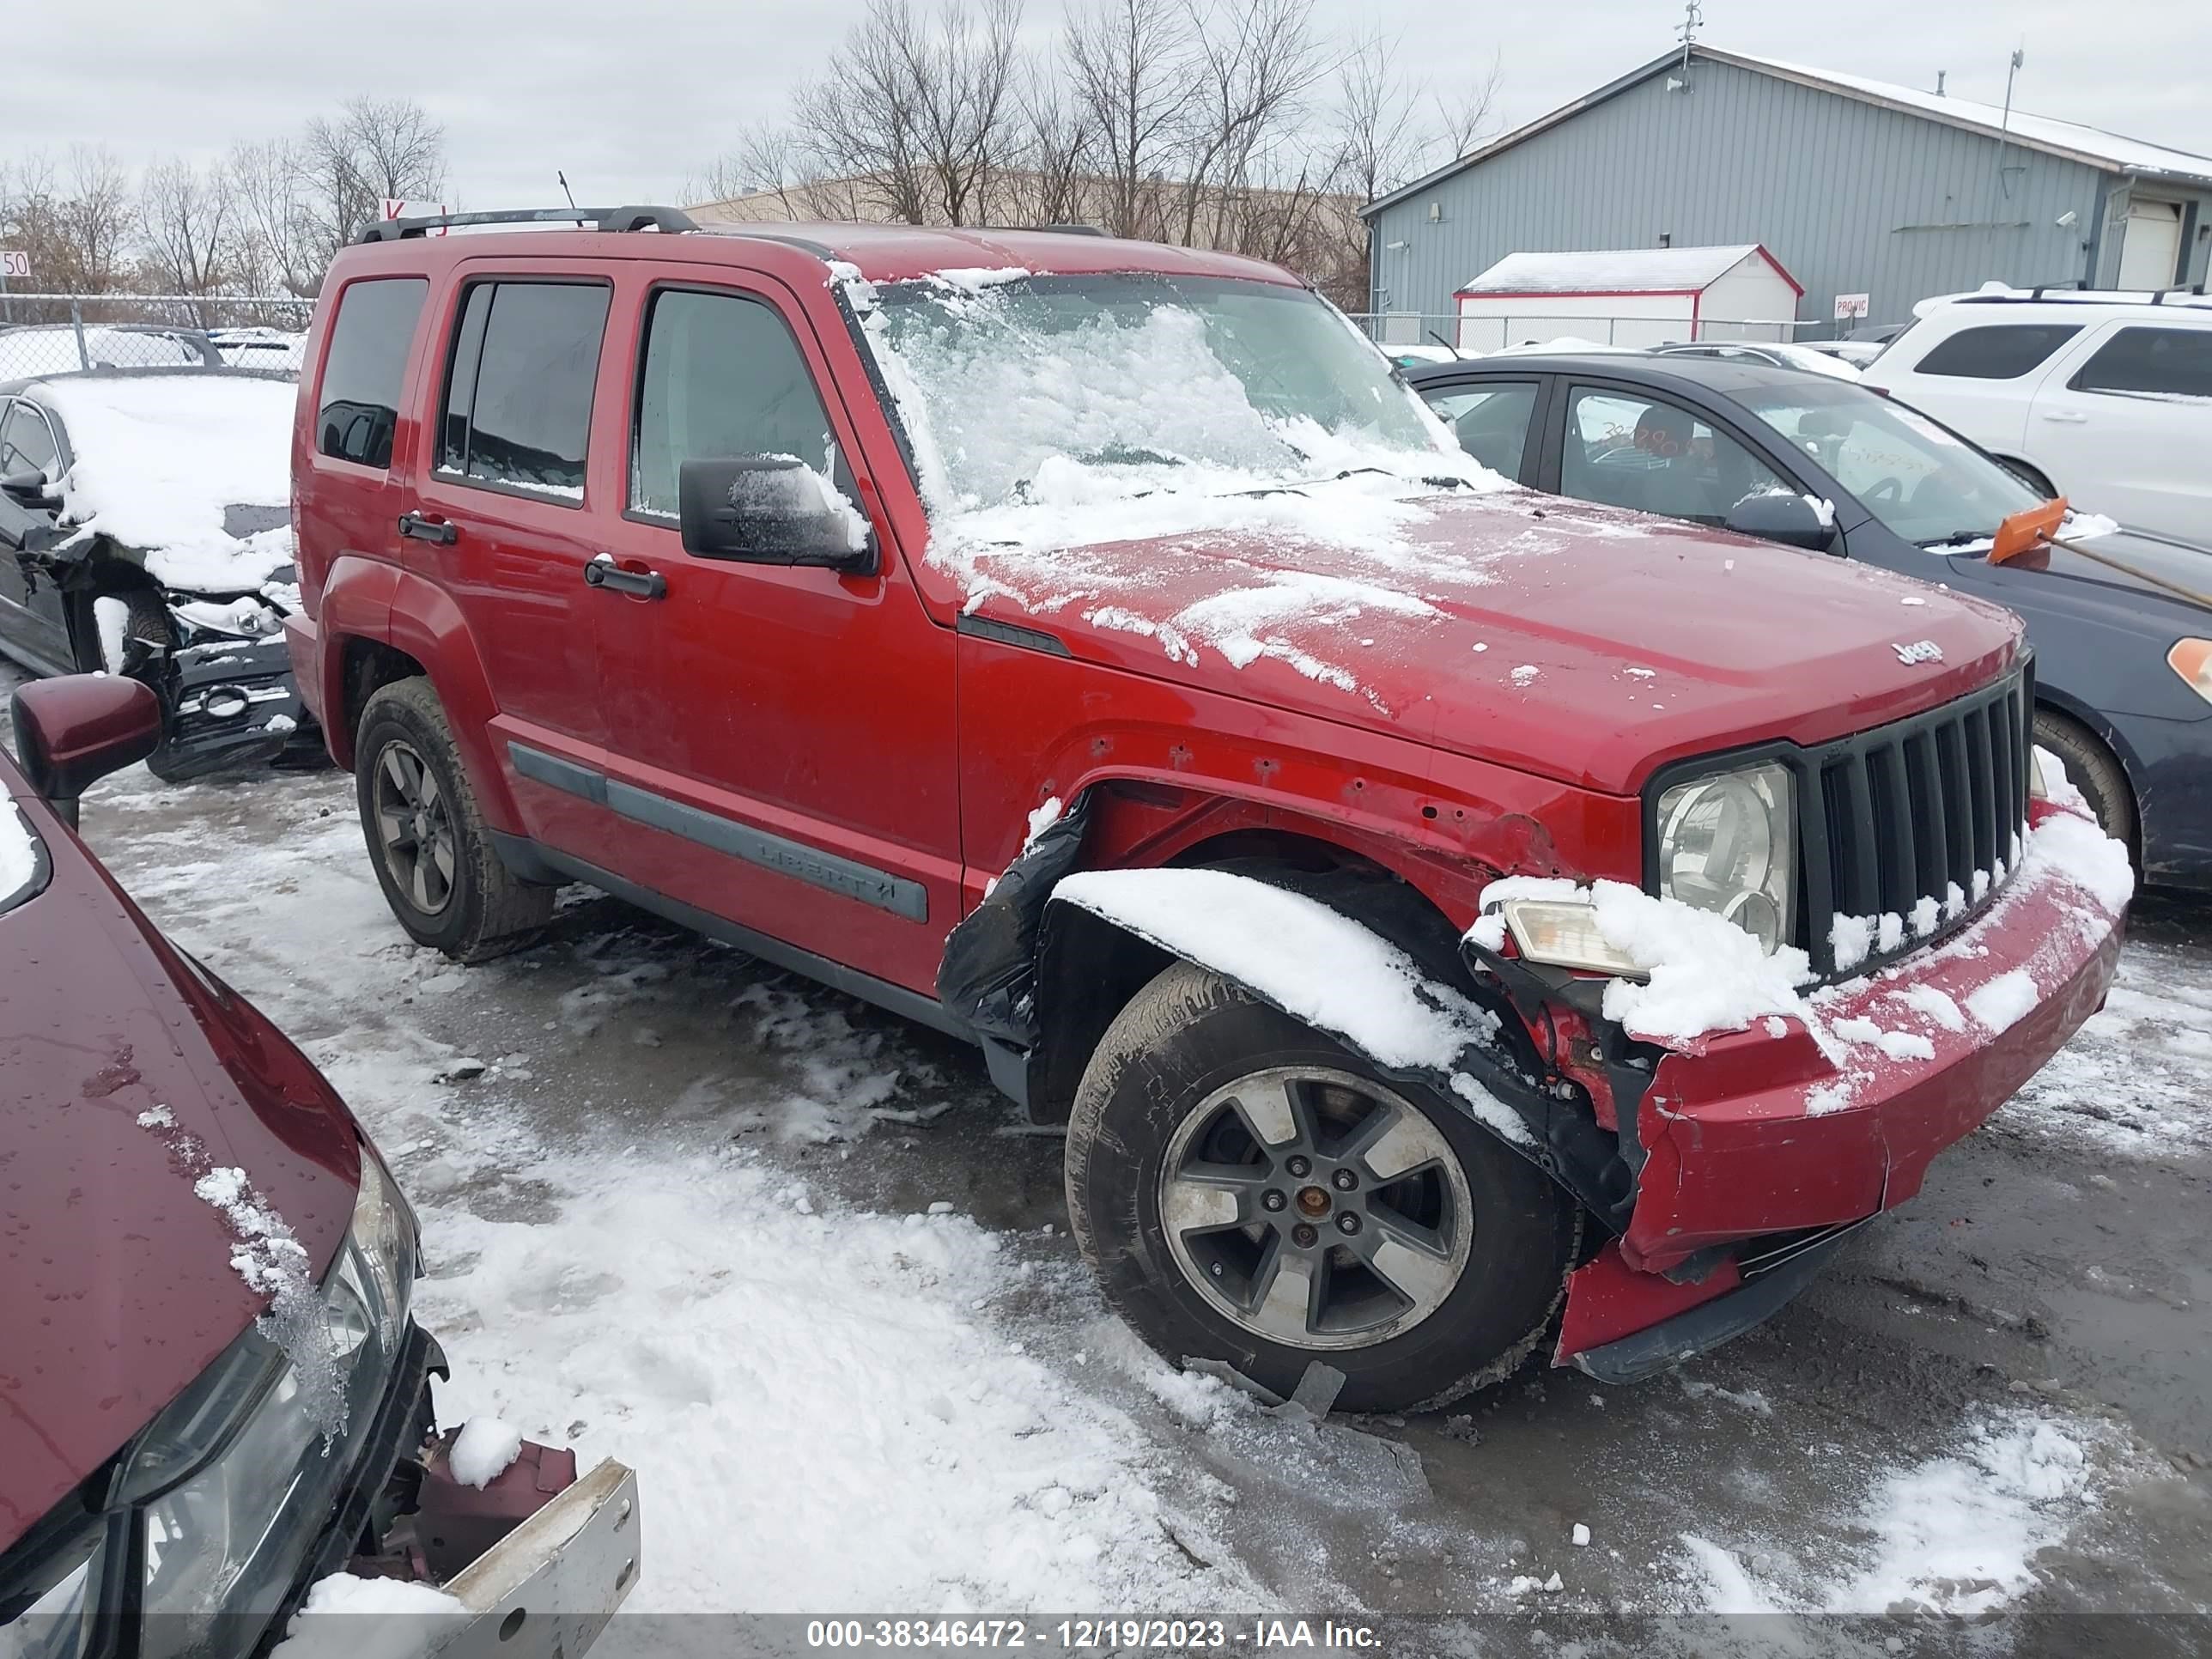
(63, 333)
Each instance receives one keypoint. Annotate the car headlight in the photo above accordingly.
(237, 1476)
(52, 1619)
(2192, 661)
(1728, 844)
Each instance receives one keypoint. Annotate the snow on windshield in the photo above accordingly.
(1051, 415)
(160, 458)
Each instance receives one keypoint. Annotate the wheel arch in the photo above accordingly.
(381, 625)
(104, 575)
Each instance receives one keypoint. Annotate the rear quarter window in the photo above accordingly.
(358, 407)
(2168, 362)
(1996, 351)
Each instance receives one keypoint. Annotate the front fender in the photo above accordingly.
(1328, 970)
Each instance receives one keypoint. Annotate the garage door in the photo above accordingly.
(2151, 251)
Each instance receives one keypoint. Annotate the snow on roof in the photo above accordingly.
(1612, 270)
(157, 457)
(2042, 131)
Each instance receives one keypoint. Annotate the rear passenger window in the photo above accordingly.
(2161, 361)
(722, 378)
(370, 340)
(518, 404)
(2000, 351)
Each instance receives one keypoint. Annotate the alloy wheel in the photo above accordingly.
(415, 828)
(1314, 1208)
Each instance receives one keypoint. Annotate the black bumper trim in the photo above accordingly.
(1632, 1358)
(403, 1418)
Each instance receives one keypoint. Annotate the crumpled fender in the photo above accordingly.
(988, 974)
(1329, 969)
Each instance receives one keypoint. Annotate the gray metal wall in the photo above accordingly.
(1850, 197)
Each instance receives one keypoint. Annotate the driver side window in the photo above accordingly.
(721, 378)
(1626, 449)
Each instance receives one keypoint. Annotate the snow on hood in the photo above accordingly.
(160, 459)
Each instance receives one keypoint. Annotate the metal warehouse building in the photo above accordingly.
(1854, 186)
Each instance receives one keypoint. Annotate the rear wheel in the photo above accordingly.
(432, 850)
(1249, 1190)
(2095, 771)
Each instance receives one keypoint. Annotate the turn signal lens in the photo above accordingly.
(2192, 661)
(1564, 933)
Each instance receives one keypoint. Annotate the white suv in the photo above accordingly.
(2103, 398)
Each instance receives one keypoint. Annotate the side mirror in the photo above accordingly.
(1787, 518)
(30, 486)
(771, 509)
(72, 731)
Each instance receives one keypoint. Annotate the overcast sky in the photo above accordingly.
(630, 97)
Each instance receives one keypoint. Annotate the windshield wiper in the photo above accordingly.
(1957, 538)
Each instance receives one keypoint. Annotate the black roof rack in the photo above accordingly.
(1057, 230)
(2080, 293)
(620, 219)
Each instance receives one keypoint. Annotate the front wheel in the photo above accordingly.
(431, 848)
(2094, 770)
(1249, 1190)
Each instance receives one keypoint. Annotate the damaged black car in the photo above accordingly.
(145, 530)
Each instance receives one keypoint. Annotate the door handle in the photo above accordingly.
(603, 572)
(418, 528)
(2066, 417)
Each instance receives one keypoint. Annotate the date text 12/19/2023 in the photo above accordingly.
(1116, 1633)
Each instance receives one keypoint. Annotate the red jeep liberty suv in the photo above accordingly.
(1444, 916)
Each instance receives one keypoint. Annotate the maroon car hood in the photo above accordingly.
(1578, 642)
(116, 1283)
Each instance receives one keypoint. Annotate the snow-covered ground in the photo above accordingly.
(793, 1261)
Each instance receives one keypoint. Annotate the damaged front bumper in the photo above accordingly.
(230, 703)
(1760, 1148)
(538, 1557)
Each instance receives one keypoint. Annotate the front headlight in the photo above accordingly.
(239, 1476)
(1727, 843)
(2192, 661)
(53, 1618)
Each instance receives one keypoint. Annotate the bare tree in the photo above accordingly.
(375, 148)
(1256, 61)
(922, 114)
(189, 221)
(1058, 145)
(277, 245)
(774, 176)
(1129, 63)
(1468, 116)
(76, 218)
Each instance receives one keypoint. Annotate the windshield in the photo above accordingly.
(1925, 484)
(1033, 389)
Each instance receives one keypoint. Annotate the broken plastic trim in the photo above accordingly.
(988, 974)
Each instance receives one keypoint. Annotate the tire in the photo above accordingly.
(1153, 1097)
(439, 871)
(2095, 771)
(2032, 476)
